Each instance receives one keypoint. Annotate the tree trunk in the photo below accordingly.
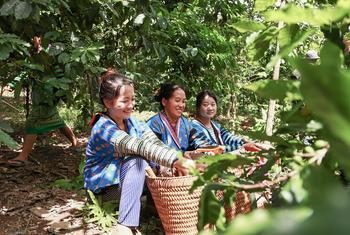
(272, 103)
(231, 109)
(231, 112)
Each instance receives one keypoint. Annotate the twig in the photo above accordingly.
(21, 208)
(59, 174)
(265, 183)
(10, 105)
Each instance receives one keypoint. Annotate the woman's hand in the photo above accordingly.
(255, 147)
(200, 152)
(193, 154)
(251, 147)
(182, 166)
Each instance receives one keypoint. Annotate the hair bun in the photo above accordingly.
(110, 71)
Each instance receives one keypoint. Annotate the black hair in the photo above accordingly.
(201, 95)
(166, 91)
(110, 84)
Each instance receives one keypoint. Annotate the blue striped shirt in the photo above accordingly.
(103, 162)
(201, 136)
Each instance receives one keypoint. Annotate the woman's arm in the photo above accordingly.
(199, 139)
(231, 141)
(148, 147)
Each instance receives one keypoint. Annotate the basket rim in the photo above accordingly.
(171, 177)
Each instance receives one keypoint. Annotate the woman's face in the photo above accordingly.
(122, 106)
(208, 107)
(175, 105)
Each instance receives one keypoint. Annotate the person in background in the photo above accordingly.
(118, 152)
(43, 116)
(205, 131)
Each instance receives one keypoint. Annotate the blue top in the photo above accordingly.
(177, 138)
(103, 162)
(201, 136)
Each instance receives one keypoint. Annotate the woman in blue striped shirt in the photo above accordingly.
(118, 150)
(205, 131)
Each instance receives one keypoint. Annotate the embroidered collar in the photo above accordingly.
(174, 132)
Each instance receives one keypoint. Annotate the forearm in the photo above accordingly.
(146, 147)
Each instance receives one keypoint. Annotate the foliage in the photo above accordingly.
(4, 137)
(313, 134)
(75, 184)
(151, 41)
(229, 47)
(103, 214)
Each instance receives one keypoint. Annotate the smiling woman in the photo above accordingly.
(205, 131)
(170, 126)
(118, 150)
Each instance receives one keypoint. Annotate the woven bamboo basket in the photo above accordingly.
(177, 208)
(241, 205)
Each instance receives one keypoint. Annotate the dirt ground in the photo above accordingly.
(30, 204)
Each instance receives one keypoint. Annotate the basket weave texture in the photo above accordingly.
(241, 205)
(177, 208)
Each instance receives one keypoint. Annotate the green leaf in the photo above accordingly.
(276, 89)
(7, 140)
(248, 26)
(61, 83)
(8, 7)
(211, 210)
(83, 58)
(63, 58)
(221, 165)
(290, 45)
(63, 183)
(5, 51)
(286, 34)
(22, 10)
(139, 19)
(326, 91)
(293, 14)
(330, 202)
(31, 66)
(262, 136)
(261, 5)
(6, 127)
(56, 48)
(269, 222)
(261, 43)
(293, 191)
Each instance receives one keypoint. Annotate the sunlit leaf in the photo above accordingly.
(268, 222)
(23, 10)
(326, 90)
(139, 19)
(261, 5)
(8, 7)
(7, 140)
(290, 45)
(248, 26)
(293, 14)
(276, 89)
(261, 43)
(211, 210)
